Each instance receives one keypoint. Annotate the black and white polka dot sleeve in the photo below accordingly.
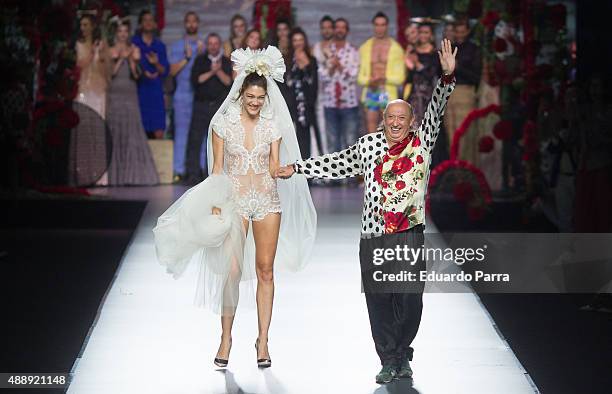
(343, 164)
(430, 126)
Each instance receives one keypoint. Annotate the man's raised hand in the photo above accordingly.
(447, 57)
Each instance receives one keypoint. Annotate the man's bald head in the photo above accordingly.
(399, 103)
(397, 119)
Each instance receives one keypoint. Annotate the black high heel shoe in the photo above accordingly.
(221, 362)
(262, 362)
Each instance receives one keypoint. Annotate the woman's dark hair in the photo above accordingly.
(236, 17)
(293, 32)
(253, 79)
(121, 22)
(272, 36)
(96, 34)
(246, 36)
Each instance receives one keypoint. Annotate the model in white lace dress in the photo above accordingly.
(230, 223)
(246, 160)
(246, 146)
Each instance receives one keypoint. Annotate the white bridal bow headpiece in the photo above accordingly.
(266, 62)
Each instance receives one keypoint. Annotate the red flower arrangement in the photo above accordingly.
(503, 130)
(490, 20)
(486, 144)
(500, 45)
(463, 191)
(267, 12)
(476, 199)
(465, 125)
(68, 118)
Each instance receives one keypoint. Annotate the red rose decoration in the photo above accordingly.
(463, 191)
(378, 173)
(500, 45)
(385, 185)
(416, 142)
(68, 119)
(419, 159)
(402, 165)
(395, 221)
(503, 130)
(399, 185)
(490, 20)
(485, 144)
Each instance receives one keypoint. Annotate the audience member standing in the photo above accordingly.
(339, 89)
(238, 30)
(252, 40)
(381, 72)
(280, 38)
(321, 52)
(449, 31)
(424, 65)
(411, 34)
(154, 64)
(302, 81)
(131, 161)
(182, 55)
(87, 155)
(211, 77)
(464, 99)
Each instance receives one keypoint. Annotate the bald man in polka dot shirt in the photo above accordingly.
(394, 162)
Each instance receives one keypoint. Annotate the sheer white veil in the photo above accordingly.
(299, 219)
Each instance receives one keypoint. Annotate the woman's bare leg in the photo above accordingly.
(372, 120)
(227, 321)
(265, 232)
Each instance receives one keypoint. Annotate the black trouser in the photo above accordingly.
(202, 114)
(394, 308)
(303, 137)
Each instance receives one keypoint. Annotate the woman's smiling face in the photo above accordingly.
(253, 99)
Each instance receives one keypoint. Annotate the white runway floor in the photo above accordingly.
(149, 338)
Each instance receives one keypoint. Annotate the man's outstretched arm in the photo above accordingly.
(343, 164)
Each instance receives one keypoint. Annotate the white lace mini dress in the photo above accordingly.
(246, 160)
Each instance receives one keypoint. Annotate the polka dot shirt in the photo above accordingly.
(360, 158)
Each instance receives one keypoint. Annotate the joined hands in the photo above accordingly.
(284, 172)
